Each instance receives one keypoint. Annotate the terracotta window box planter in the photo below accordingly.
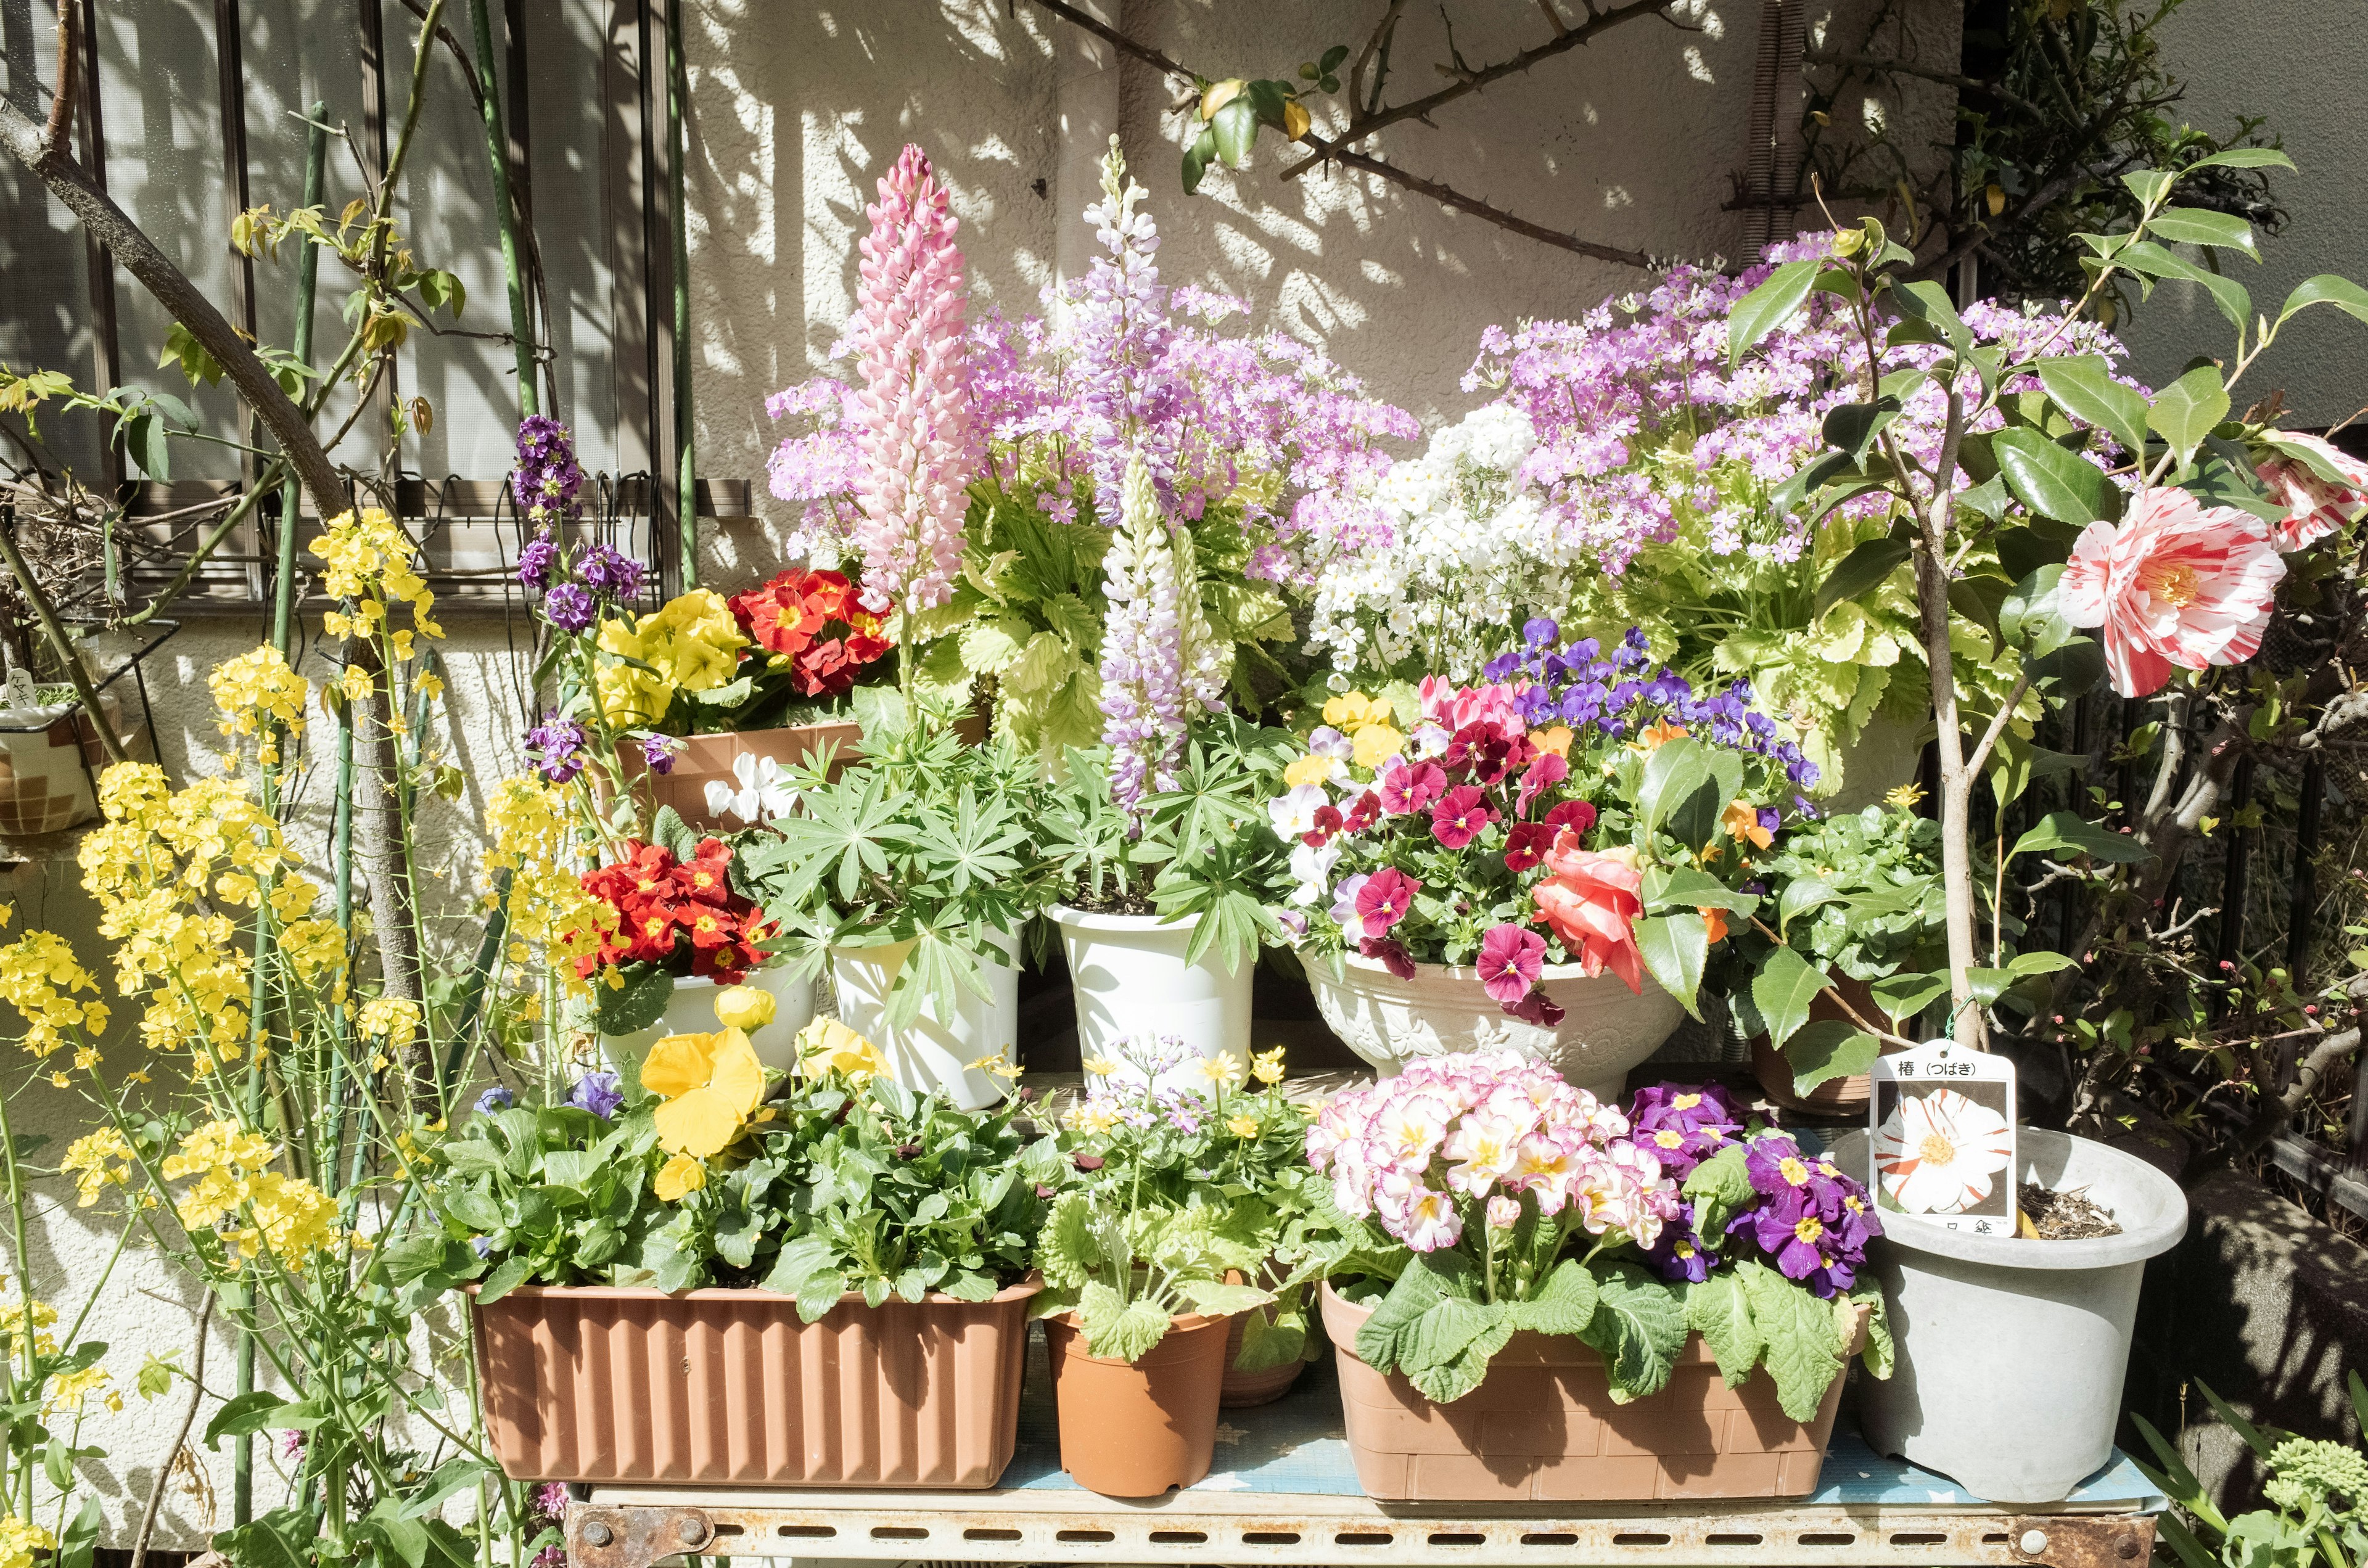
(1542, 1427)
(595, 1383)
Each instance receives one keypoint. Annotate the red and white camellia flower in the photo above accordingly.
(2314, 506)
(1938, 1153)
(2176, 585)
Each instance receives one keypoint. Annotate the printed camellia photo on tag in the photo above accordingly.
(1943, 1138)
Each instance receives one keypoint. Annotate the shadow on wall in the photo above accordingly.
(1630, 141)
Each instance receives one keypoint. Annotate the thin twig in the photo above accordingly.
(180, 1438)
(61, 122)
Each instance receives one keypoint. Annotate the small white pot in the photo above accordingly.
(1606, 1028)
(2011, 1350)
(1128, 976)
(691, 1010)
(934, 1052)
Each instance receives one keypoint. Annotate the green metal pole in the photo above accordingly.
(308, 274)
(506, 215)
(678, 153)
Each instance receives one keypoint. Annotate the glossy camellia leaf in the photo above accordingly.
(1236, 127)
(2028, 617)
(1686, 887)
(2048, 479)
(1905, 995)
(1197, 158)
(2327, 288)
(1783, 990)
(1767, 307)
(1927, 301)
(2070, 833)
(1852, 426)
(2189, 409)
(1675, 948)
(1830, 1047)
(2039, 963)
(2084, 384)
(2200, 226)
(1860, 572)
(2235, 303)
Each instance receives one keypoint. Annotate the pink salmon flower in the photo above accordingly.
(2175, 586)
(1591, 902)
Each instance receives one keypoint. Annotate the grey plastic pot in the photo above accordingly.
(2011, 1351)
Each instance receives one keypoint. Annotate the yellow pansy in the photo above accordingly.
(1353, 710)
(712, 1083)
(743, 1007)
(682, 1173)
(828, 1046)
(1376, 744)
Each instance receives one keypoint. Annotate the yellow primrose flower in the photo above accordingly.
(1242, 1126)
(1741, 821)
(1267, 1066)
(1222, 1069)
(681, 1175)
(828, 1046)
(1376, 744)
(1313, 768)
(743, 1007)
(710, 1083)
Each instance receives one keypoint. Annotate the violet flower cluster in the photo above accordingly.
(1806, 1218)
(1160, 662)
(1456, 1143)
(557, 746)
(917, 435)
(547, 478)
(572, 582)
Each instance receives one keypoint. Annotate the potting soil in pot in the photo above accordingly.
(2071, 1216)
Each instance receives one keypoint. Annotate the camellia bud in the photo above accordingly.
(743, 1007)
(1847, 241)
(1219, 95)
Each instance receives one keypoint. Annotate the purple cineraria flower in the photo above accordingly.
(557, 746)
(599, 1094)
(569, 607)
(1684, 1124)
(538, 561)
(658, 752)
(611, 574)
(494, 1100)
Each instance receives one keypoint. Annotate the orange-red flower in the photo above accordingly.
(815, 620)
(1591, 902)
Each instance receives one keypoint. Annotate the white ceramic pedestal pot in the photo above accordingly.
(2010, 1351)
(933, 1052)
(1605, 1030)
(1129, 979)
(691, 1010)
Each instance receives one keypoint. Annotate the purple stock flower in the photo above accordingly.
(569, 607)
(538, 561)
(1684, 1124)
(494, 1100)
(658, 752)
(599, 1094)
(609, 573)
(547, 478)
(557, 748)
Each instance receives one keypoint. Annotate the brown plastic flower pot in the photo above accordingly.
(1542, 1427)
(1138, 1428)
(1242, 1390)
(600, 1384)
(1846, 1096)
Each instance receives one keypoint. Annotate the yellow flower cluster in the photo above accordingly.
(258, 687)
(530, 825)
(390, 1020)
(369, 559)
(37, 975)
(22, 1542)
(12, 1326)
(153, 864)
(828, 1046)
(68, 1390)
(97, 1161)
(691, 645)
(255, 1207)
(1372, 738)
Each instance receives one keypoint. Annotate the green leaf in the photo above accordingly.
(283, 1537)
(1830, 1047)
(1880, 1351)
(2189, 409)
(1196, 160)
(457, 1476)
(1718, 1188)
(639, 1002)
(1977, 598)
(1860, 572)
(2243, 158)
(1236, 127)
(2202, 226)
(80, 1544)
(2028, 617)
(1987, 985)
(2047, 479)
(2086, 388)
(1852, 426)
(1927, 302)
(1671, 775)
(1686, 887)
(1804, 1347)
(1563, 1303)
(2070, 833)
(1217, 1299)
(1767, 307)
(1905, 995)
(243, 1414)
(1801, 895)
(508, 1276)
(2327, 288)
(1676, 947)
(1114, 1326)
(1639, 1329)
(1719, 1310)
(1783, 990)
(2039, 963)
(2234, 304)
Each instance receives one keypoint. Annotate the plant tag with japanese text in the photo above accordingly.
(1943, 1138)
(19, 692)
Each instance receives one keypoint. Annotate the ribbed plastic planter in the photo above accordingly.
(598, 1384)
(1542, 1427)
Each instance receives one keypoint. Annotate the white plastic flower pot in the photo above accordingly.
(1606, 1028)
(934, 1052)
(1129, 979)
(2011, 1351)
(691, 1010)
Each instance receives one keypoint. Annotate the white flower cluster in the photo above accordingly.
(1472, 547)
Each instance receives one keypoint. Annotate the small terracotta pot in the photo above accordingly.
(1835, 1096)
(1542, 1427)
(1138, 1428)
(1244, 1390)
(597, 1383)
